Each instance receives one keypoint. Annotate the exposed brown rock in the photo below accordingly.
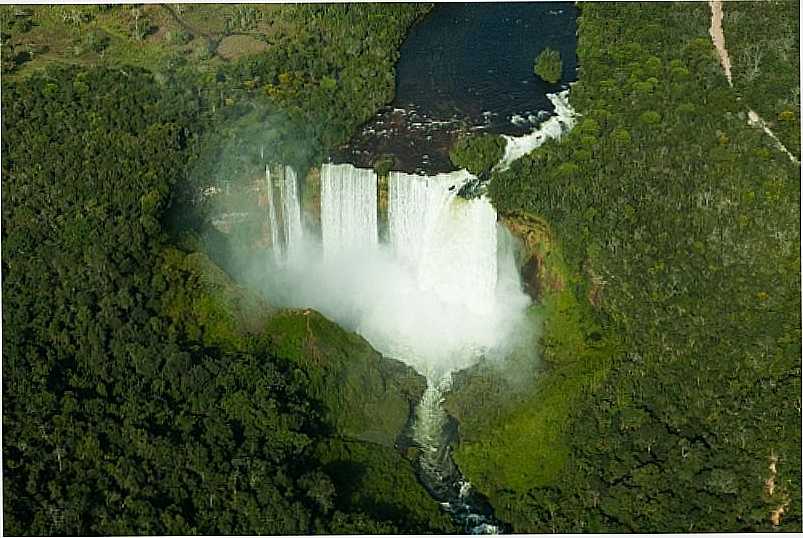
(537, 274)
(770, 490)
(531, 277)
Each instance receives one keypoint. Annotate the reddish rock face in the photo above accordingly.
(539, 277)
(531, 277)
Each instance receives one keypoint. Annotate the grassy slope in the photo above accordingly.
(209, 305)
(59, 33)
(366, 396)
(526, 445)
(514, 435)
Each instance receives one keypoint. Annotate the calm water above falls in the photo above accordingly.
(467, 67)
(467, 59)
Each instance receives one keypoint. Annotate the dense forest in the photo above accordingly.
(146, 392)
(762, 39)
(675, 226)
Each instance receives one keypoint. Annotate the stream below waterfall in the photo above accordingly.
(434, 433)
(426, 276)
(438, 292)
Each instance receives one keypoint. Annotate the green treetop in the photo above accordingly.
(548, 65)
(477, 153)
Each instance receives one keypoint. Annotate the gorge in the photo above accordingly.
(426, 276)
(274, 287)
(439, 294)
(439, 289)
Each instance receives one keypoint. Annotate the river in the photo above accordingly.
(467, 67)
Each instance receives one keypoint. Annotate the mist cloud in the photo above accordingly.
(372, 291)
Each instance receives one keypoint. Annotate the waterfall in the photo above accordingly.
(348, 208)
(438, 295)
(441, 294)
(450, 241)
(291, 211)
(284, 213)
(276, 244)
(449, 244)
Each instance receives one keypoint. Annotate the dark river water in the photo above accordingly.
(467, 67)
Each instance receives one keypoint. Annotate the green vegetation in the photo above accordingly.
(684, 222)
(514, 432)
(327, 67)
(764, 47)
(116, 421)
(522, 443)
(364, 396)
(383, 165)
(378, 480)
(548, 65)
(477, 153)
(150, 36)
(144, 391)
(207, 305)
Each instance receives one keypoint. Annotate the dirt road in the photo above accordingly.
(718, 38)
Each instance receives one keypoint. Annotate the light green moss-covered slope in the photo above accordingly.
(366, 396)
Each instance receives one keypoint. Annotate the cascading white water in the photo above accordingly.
(291, 211)
(348, 208)
(449, 242)
(440, 309)
(431, 419)
(451, 246)
(442, 293)
(273, 220)
(438, 471)
(284, 213)
(432, 296)
(564, 119)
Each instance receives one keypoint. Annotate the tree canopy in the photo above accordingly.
(677, 225)
(141, 392)
(548, 65)
(477, 153)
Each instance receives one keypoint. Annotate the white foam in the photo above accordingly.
(438, 296)
(348, 208)
(291, 212)
(563, 120)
